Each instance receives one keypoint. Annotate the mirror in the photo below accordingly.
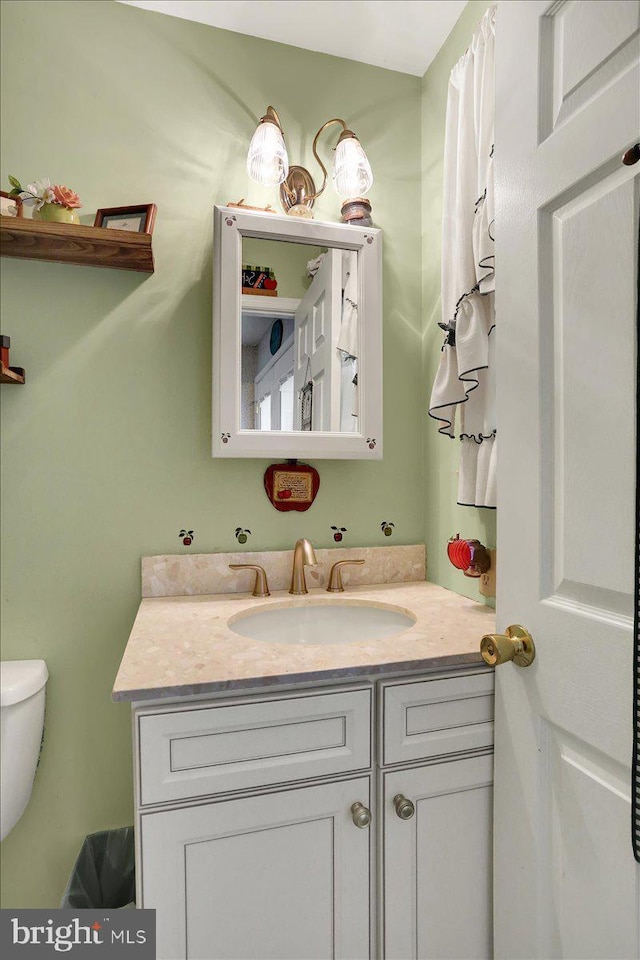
(299, 366)
(297, 338)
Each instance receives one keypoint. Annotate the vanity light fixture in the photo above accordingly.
(268, 164)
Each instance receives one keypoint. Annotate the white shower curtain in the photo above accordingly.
(464, 383)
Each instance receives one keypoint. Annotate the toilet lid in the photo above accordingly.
(20, 679)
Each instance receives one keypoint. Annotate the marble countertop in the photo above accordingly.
(182, 646)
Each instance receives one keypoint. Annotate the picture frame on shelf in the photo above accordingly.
(137, 218)
(10, 206)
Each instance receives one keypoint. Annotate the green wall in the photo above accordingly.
(287, 260)
(106, 450)
(443, 516)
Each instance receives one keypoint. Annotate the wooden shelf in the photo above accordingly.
(11, 374)
(71, 243)
(258, 292)
(272, 306)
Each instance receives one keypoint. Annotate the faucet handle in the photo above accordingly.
(260, 587)
(335, 577)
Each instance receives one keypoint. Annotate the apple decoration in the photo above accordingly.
(470, 556)
(241, 535)
(270, 283)
(337, 536)
(186, 537)
(291, 485)
(387, 527)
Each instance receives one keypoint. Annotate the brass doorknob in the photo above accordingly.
(516, 645)
(360, 815)
(404, 808)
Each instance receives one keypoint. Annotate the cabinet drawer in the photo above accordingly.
(237, 746)
(436, 717)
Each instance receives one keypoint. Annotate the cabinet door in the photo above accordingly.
(437, 864)
(282, 876)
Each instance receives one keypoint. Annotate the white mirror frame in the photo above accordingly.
(230, 226)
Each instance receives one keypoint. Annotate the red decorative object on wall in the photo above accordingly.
(291, 486)
(470, 556)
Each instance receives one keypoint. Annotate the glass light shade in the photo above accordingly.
(352, 175)
(267, 160)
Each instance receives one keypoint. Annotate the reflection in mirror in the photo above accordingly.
(299, 337)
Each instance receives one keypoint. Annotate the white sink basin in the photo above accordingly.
(322, 623)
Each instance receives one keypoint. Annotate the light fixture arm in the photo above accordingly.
(345, 133)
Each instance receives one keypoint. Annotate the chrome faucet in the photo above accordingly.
(302, 554)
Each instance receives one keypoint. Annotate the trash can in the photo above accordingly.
(104, 873)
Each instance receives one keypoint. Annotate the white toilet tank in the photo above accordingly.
(22, 685)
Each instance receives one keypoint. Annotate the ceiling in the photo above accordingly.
(402, 35)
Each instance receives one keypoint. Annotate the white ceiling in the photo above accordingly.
(402, 35)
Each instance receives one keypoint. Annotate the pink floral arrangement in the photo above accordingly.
(42, 191)
(66, 197)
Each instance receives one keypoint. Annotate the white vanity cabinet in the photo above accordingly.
(275, 876)
(436, 760)
(437, 864)
(249, 846)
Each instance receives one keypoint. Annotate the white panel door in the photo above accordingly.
(437, 865)
(282, 876)
(268, 387)
(567, 107)
(317, 328)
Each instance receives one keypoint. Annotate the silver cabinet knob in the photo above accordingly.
(404, 808)
(360, 815)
